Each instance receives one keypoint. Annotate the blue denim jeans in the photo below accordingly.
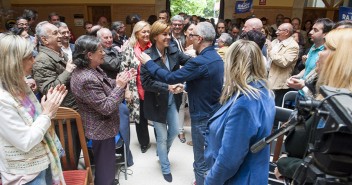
(200, 168)
(44, 177)
(166, 133)
(125, 131)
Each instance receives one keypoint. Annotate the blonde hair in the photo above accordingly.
(13, 50)
(243, 63)
(137, 27)
(337, 68)
(157, 28)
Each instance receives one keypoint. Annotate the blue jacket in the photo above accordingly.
(233, 129)
(204, 75)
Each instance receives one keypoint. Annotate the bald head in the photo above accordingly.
(287, 26)
(252, 24)
(284, 31)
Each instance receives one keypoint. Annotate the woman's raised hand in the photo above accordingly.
(52, 101)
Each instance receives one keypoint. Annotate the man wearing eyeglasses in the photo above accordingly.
(176, 31)
(204, 75)
(118, 30)
(66, 47)
(283, 56)
(21, 22)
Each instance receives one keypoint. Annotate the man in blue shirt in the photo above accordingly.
(321, 27)
(204, 75)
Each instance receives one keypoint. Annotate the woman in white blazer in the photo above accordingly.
(29, 148)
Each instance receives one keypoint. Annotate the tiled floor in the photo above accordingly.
(146, 169)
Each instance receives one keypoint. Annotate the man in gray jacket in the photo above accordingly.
(52, 67)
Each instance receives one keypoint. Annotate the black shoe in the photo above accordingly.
(116, 182)
(168, 177)
(144, 149)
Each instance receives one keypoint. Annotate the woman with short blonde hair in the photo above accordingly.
(137, 27)
(134, 95)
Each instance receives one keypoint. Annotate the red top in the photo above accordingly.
(138, 50)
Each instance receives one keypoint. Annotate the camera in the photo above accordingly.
(329, 155)
(328, 160)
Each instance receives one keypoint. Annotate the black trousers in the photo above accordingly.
(279, 96)
(142, 127)
(104, 159)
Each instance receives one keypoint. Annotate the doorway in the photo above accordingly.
(95, 12)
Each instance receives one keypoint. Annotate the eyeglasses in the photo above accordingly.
(179, 25)
(281, 30)
(65, 33)
(22, 24)
(192, 35)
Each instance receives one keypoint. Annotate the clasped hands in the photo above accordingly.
(125, 76)
(52, 100)
(176, 88)
(295, 82)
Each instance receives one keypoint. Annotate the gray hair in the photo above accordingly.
(226, 38)
(83, 45)
(40, 31)
(114, 33)
(116, 25)
(206, 30)
(61, 24)
(177, 18)
(100, 32)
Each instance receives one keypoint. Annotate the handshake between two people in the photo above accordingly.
(176, 88)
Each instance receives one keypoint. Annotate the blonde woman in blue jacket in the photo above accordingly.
(29, 147)
(246, 116)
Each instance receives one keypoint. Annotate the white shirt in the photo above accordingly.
(68, 51)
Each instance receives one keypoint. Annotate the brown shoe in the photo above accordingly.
(190, 143)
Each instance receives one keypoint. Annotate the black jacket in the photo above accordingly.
(112, 62)
(156, 93)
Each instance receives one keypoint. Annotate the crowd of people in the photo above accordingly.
(230, 74)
